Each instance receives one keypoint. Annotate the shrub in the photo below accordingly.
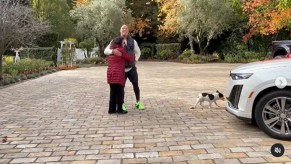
(152, 47)
(186, 54)
(11, 70)
(44, 53)
(23, 77)
(6, 81)
(30, 76)
(164, 54)
(34, 75)
(12, 80)
(172, 48)
(188, 57)
(8, 59)
(94, 60)
(26, 66)
(146, 53)
(247, 56)
(90, 60)
(232, 45)
(32, 64)
(198, 58)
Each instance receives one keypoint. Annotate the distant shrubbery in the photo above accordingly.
(233, 52)
(94, 60)
(24, 69)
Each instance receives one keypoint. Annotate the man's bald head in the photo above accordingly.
(124, 31)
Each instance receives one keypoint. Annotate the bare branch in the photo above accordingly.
(18, 26)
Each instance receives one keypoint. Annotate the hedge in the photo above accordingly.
(246, 57)
(168, 51)
(148, 50)
(44, 53)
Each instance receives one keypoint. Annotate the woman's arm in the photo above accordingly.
(126, 56)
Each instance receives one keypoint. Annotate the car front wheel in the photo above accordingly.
(273, 114)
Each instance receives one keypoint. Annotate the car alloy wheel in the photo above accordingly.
(276, 116)
(273, 114)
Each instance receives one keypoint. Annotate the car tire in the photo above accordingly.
(279, 57)
(269, 116)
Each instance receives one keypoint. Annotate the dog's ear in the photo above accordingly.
(220, 95)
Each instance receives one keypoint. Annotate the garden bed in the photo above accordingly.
(10, 80)
(67, 67)
(25, 69)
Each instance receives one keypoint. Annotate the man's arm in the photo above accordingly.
(136, 51)
(109, 51)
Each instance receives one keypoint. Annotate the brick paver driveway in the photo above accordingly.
(62, 118)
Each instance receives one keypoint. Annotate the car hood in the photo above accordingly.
(266, 64)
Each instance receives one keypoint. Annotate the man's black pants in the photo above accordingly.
(133, 78)
(116, 96)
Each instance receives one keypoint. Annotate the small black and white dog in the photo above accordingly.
(211, 98)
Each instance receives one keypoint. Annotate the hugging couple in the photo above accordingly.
(123, 52)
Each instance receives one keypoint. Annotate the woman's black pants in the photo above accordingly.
(115, 102)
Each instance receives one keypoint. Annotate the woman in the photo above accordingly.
(116, 75)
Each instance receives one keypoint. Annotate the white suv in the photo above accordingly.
(261, 92)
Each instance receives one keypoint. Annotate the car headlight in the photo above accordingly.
(240, 76)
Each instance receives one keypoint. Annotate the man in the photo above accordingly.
(132, 48)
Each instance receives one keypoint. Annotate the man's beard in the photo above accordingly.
(124, 35)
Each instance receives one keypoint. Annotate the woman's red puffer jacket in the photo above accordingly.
(116, 66)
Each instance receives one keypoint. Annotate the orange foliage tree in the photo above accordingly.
(267, 16)
(81, 2)
(169, 15)
(144, 19)
(138, 26)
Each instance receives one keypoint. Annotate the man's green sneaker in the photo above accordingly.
(139, 105)
(123, 107)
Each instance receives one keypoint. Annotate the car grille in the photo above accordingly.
(235, 95)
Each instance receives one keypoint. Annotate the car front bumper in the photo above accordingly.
(238, 113)
(238, 102)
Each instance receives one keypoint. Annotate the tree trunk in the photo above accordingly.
(101, 48)
(191, 44)
(85, 54)
(200, 46)
(208, 42)
(1, 74)
(199, 42)
(1, 56)
(201, 49)
(89, 53)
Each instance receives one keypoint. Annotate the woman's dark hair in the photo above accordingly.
(117, 41)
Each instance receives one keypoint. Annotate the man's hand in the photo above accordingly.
(116, 52)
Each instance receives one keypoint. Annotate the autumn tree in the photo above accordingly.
(145, 18)
(81, 2)
(100, 19)
(18, 27)
(200, 21)
(267, 16)
(168, 14)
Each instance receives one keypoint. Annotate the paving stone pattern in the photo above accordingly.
(62, 118)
